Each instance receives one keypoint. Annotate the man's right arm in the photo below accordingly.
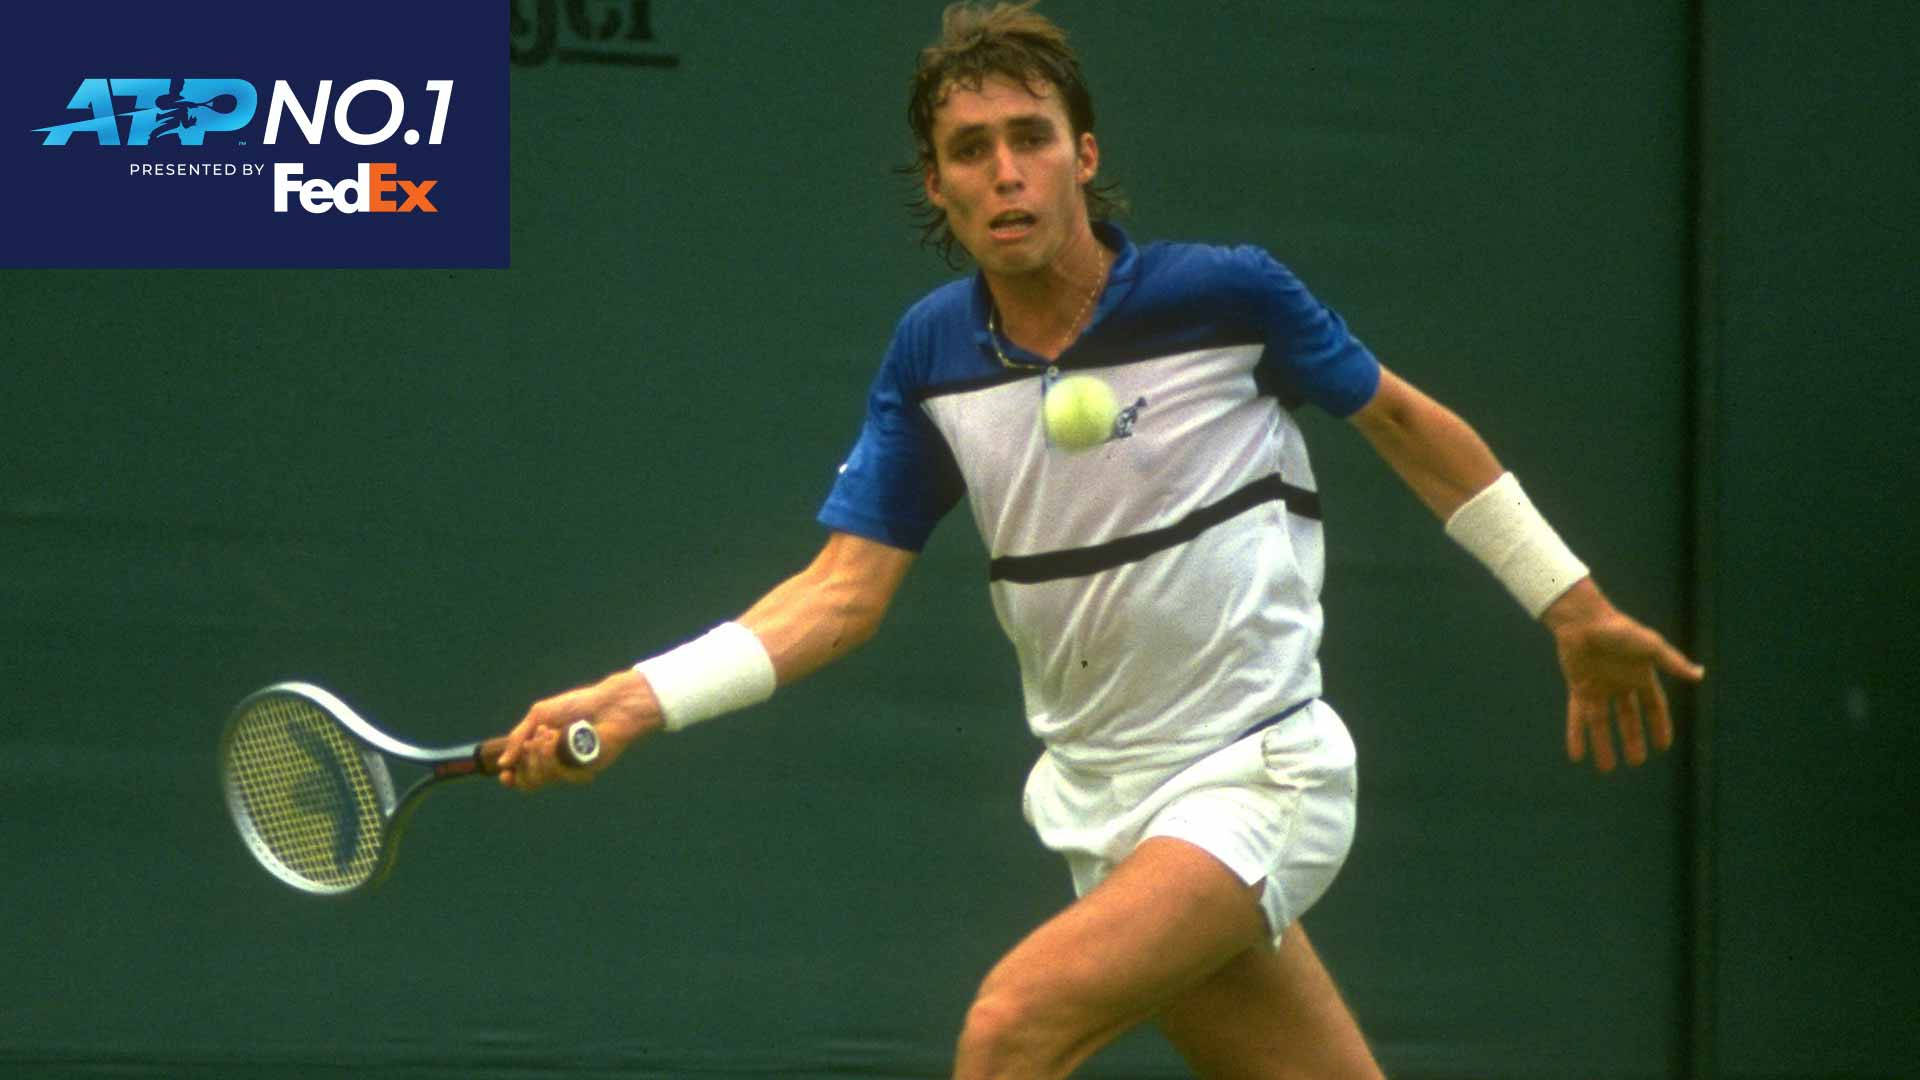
(806, 622)
(827, 610)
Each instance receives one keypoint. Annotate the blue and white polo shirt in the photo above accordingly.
(1162, 589)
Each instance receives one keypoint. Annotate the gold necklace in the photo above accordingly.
(1073, 331)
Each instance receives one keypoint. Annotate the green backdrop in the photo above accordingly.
(1659, 253)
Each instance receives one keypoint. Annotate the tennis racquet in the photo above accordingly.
(308, 786)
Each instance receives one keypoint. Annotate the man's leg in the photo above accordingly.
(1269, 1014)
(1165, 920)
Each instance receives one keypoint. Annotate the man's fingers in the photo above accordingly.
(1602, 739)
(1587, 726)
(1576, 732)
(1633, 735)
(540, 755)
(1616, 669)
(1675, 663)
(1658, 717)
(544, 717)
(517, 737)
(531, 768)
(1593, 717)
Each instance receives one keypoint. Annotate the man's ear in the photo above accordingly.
(1088, 153)
(931, 178)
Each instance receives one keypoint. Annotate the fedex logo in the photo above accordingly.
(367, 192)
(201, 106)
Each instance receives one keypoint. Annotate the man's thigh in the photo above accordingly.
(1277, 807)
(1168, 917)
(1268, 1014)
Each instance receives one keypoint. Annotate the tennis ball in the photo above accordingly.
(1079, 411)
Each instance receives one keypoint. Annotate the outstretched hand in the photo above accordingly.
(621, 708)
(1613, 665)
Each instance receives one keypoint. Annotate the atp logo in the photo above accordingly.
(200, 106)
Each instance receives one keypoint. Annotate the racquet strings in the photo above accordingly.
(304, 792)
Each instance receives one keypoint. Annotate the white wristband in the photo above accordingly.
(1503, 530)
(725, 669)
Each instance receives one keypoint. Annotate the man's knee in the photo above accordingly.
(1011, 1034)
(999, 1026)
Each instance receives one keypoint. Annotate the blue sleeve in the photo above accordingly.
(1309, 349)
(900, 479)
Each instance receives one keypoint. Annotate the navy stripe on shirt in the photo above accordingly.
(1079, 562)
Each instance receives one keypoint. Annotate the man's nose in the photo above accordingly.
(1006, 169)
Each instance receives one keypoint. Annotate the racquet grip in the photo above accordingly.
(579, 746)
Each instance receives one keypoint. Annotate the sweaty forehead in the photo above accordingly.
(995, 99)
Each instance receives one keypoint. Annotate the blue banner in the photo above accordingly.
(231, 133)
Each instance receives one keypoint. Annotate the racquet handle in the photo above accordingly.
(579, 746)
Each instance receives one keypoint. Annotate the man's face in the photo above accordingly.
(1008, 173)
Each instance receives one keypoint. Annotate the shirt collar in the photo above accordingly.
(1120, 276)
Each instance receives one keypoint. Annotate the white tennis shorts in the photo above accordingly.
(1277, 806)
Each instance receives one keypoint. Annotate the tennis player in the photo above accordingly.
(1161, 589)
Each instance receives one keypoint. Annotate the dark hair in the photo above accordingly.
(1012, 41)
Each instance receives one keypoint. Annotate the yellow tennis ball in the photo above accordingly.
(1079, 411)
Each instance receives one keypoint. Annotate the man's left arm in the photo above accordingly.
(1612, 663)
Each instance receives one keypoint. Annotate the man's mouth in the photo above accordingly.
(1010, 223)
